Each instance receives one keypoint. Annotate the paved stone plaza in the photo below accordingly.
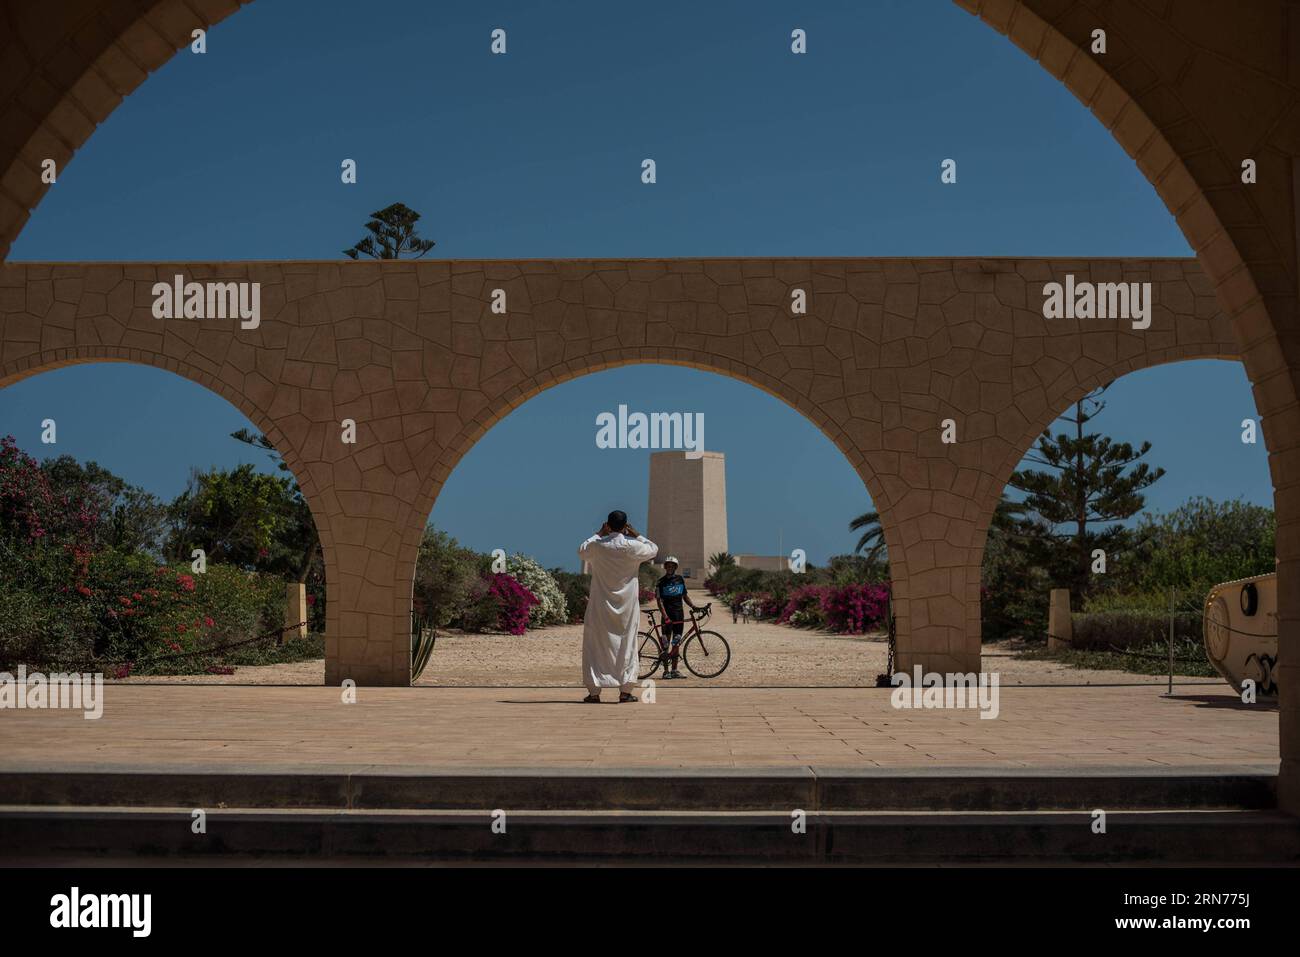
(274, 728)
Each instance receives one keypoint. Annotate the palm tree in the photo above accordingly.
(721, 560)
(392, 233)
(873, 536)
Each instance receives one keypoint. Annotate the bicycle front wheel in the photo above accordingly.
(648, 655)
(706, 655)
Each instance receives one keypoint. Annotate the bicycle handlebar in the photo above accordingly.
(704, 612)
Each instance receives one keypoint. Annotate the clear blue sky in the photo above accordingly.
(235, 155)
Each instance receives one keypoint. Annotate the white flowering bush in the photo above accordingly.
(551, 608)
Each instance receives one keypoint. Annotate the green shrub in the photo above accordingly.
(648, 575)
(480, 609)
(1203, 542)
(1189, 658)
(576, 588)
(448, 582)
(93, 611)
(37, 622)
(1106, 630)
(856, 570)
(1014, 591)
(1147, 602)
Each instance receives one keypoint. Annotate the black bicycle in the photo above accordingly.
(706, 654)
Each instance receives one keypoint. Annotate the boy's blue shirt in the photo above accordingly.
(672, 587)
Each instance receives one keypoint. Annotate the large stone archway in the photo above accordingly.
(217, 365)
(414, 355)
(1189, 92)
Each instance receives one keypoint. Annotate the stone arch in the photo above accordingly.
(33, 364)
(415, 355)
(1062, 399)
(80, 61)
(469, 435)
(51, 359)
(1174, 101)
(80, 66)
(1197, 200)
(1084, 360)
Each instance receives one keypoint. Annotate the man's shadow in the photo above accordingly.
(565, 701)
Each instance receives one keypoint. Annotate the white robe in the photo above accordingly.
(609, 629)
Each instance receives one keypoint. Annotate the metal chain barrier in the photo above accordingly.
(198, 652)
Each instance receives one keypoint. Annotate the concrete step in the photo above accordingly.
(1257, 838)
(369, 787)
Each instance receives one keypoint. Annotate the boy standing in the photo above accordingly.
(670, 592)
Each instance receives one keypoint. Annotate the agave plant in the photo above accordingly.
(423, 637)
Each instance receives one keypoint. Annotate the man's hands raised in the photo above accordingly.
(628, 530)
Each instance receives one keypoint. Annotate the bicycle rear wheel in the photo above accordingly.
(648, 655)
(706, 654)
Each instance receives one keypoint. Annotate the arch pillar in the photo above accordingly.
(1284, 461)
(368, 615)
(1189, 95)
(934, 566)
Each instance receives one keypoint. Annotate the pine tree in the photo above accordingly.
(1090, 485)
(392, 234)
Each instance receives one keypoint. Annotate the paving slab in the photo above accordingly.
(281, 727)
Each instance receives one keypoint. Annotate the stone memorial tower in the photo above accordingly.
(687, 516)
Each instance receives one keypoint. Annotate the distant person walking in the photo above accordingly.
(609, 629)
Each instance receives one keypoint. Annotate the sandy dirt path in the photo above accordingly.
(762, 655)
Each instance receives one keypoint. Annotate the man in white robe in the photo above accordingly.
(609, 629)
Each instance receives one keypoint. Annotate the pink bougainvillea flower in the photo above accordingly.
(513, 602)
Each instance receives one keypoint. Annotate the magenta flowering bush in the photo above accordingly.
(513, 602)
(852, 609)
(804, 607)
(855, 608)
(769, 606)
(32, 513)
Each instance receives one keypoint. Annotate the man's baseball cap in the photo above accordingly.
(671, 560)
